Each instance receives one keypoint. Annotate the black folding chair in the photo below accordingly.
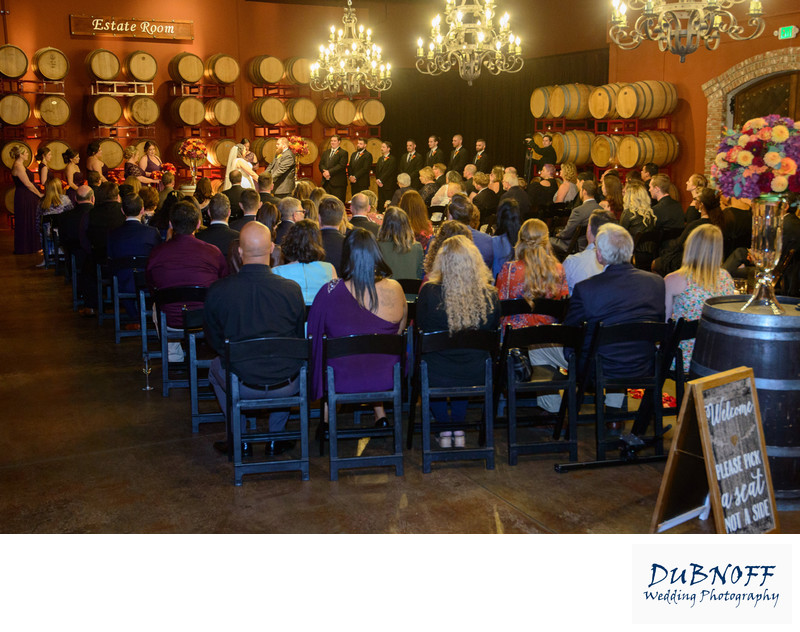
(136, 265)
(383, 344)
(646, 246)
(199, 387)
(244, 354)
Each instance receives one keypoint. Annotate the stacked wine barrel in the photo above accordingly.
(648, 100)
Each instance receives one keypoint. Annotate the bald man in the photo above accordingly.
(251, 304)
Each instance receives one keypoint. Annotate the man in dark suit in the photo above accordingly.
(516, 192)
(331, 213)
(291, 211)
(333, 166)
(411, 163)
(440, 173)
(468, 173)
(265, 186)
(234, 193)
(218, 232)
(103, 218)
(167, 181)
(668, 212)
(359, 206)
(358, 168)
(485, 199)
(249, 203)
(458, 157)
(578, 217)
(385, 175)
(282, 169)
(434, 154)
(481, 160)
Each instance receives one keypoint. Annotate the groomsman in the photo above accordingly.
(358, 168)
(434, 154)
(385, 175)
(411, 163)
(333, 166)
(481, 160)
(458, 157)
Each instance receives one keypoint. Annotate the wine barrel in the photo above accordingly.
(264, 148)
(5, 153)
(603, 101)
(348, 145)
(660, 147)
(647, 99)
(105, 109)
(374, 148)
(52, 110)
(50, 64)
(142, 110)
(369, 112)
(300, 111)
(577, 146)
(537, 138)
(265, 69)
(571, 101)
(297, 70)
(186, 68)
(558, 144)
(540, 101)
(630, 152)
(312, 155)
(267, 111)
(112, 153)
(187, 111)
(102, 65)
(140, 146)
(8, 199)
(14, 109)
(13, 62)
(728, 338)
(222, 111)
(140, 66)
(605, 150)
(58, 147)
(336, 112)
(218, 151)
(222, 69)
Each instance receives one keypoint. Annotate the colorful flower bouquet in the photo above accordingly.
(298, 145)
(115, 176)
(168, 167)
(195, 151)
(759, 159)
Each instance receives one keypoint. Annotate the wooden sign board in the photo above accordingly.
(97, 26)
(719, 457)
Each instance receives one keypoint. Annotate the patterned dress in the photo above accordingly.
(511, 284)
(689, 305)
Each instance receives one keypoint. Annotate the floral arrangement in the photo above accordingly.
(298, 145)
(194, 149)
(168, 167)
(115, 177)
(760, 158)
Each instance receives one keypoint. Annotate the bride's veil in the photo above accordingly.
(236, 152)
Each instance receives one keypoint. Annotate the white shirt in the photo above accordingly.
(581, 266)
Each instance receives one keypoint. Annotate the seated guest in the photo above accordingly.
(439, 174)
(373, 214)
(468, 174)
(291, 211)
(534, 273)
(581, 266)
(696, 183)
(699, 278)
(249, 203)
(359, 207)
(577, 218)
(255, 303)
(218, 232)
(403, 185)
(305, 259)
(460, 209)
(364, 301)
(568, 189)
(167, 181)
(104, 217)
(331, 214)
(620, 294)
(458, 296)
(505, 235)
(637, 216)
(484, 198)
(149, 197)
(183, 260)
(446, 191)
(265, 186)
(514, 191)
(269, 216)
(234, 193)
(668, 212)
(448, 229)
(542, 193)
(738, 230)
(417, 212)
(401, 252)
(202, 195)
(428, 188)
(496, 179)
(611, 187)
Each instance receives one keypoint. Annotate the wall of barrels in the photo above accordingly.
(617, 125)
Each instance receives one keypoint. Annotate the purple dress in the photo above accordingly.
(26, 208)
(151, 166)
(335, 313)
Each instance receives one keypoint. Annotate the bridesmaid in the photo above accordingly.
(26, 205)
(70, 171)
(150, 162)
(94, 160)
(43, 156)
(132, 168)
(249, 156)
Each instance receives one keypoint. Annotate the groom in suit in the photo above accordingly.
(282, 169)
(358, 169)
(333, 166)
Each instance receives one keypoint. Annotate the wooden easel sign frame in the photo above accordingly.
(719, 458)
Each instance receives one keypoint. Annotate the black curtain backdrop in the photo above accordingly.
(495, 108)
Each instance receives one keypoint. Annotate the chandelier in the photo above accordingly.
(471, 41)
(350, 59)
(680, 26)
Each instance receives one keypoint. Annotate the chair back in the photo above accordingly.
(410, 286)
(557, 308)
(179, 295)
(249, 356)
(579, 233)
(562, 335)
(474, 339)
(364, 344)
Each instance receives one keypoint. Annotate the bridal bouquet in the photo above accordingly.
(298, 145)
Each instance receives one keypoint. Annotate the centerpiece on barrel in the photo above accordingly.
(193, 150)
(759, 162)
(299, 147)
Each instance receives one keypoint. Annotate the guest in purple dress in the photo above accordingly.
(26, 205)
(363, 301)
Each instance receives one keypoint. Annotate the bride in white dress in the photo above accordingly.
(236, 161)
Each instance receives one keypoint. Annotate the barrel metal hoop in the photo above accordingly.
(775, 333)
(762, 383)
(783, 451)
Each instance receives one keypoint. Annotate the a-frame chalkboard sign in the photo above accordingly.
(719, 453)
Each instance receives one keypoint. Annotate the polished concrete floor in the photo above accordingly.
(86, 450)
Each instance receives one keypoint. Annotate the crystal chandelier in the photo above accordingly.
(472, 41)
(680, 26)
(350, 59)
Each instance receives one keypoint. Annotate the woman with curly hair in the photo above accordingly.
(534, 273)
(459, 296)
(568, 190)
(414, 206)
(446, 230)
(400, 250)
(428, 188)
(612, 195)
(637, 215)
(305, 259)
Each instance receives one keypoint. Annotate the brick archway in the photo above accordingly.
(718, 89)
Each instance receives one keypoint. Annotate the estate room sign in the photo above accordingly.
(96, 26)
